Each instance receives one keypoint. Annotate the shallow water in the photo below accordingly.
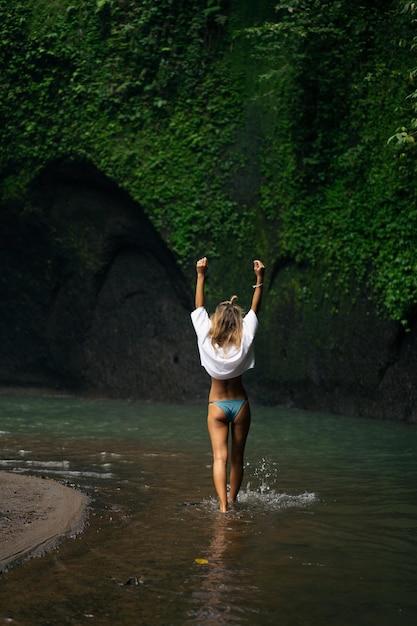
(325, 531)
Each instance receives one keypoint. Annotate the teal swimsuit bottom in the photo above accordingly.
(230, 407)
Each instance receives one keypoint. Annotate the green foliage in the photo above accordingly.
(234, 125)
(345, 199)
(125, 85)
(405, 136)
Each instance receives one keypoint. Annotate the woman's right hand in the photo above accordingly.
(202, 265)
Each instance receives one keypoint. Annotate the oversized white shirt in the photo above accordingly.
(219, 363)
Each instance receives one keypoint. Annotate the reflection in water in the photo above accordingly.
(223, 579)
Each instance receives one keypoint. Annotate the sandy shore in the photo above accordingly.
(35, 514)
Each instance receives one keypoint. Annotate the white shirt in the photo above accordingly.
(233, 362)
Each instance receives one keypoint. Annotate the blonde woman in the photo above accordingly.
(225, 343)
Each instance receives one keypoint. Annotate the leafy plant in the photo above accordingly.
(229, 122)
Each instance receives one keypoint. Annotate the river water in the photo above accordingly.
(325, 532)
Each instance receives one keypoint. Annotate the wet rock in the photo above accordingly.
(132, 582)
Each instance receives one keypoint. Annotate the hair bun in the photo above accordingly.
(233, 299)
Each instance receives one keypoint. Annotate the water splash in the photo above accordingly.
(274, 501)
(263, 476)
(261, 491)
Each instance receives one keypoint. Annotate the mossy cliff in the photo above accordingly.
(138, 135)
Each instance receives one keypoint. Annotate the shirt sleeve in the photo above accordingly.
(250, 323)
(201, 323)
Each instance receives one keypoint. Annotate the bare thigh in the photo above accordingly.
(240, 430)
(218, 428)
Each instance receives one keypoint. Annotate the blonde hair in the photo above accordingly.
(226, 324)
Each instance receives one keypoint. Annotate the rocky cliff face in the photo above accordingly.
(334, 352)
(92, 300)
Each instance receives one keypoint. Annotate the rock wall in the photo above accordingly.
(333, 351)
(93, 300)
(92, 297)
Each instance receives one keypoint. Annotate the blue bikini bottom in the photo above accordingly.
(230, 407)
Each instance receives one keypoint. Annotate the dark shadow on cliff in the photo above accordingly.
(93, 300)
(323, 348)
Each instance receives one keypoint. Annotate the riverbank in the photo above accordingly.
(35, 514)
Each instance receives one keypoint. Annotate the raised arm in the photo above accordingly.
(259, 269)
(201, 267)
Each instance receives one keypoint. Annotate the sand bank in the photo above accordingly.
(35, 514)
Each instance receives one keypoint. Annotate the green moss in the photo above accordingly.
(232, 124)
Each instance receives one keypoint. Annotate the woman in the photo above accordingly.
(225, 343)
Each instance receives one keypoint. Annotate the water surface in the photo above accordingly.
(325, 531)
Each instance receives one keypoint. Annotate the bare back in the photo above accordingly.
(229, 389)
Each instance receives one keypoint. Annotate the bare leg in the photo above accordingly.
(240, 430)
(219, 430)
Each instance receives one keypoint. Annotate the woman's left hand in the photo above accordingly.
(259, 268)
(202, 265)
